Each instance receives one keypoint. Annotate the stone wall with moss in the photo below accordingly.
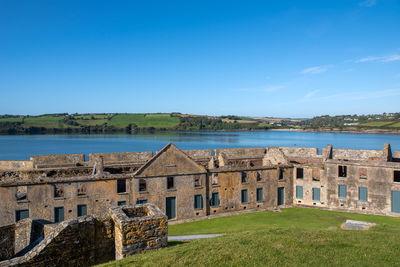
(139, 228)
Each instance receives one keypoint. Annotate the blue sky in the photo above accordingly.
(258, 58)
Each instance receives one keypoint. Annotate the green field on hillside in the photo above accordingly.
(293, 237)
(144, 120)
(379, 124)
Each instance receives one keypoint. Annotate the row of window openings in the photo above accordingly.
(214, 201)
(58, 213)
(58, 190)
(342, 193)
(342, 172)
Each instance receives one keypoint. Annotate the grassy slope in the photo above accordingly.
(142, 120)
(294, 237)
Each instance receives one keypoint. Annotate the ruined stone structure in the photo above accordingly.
(86, 240)
(196, 183)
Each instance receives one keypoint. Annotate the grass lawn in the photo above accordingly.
(294, 237)
(142, 120)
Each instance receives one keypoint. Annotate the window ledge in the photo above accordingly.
(23, 201)
(215, 185)
(59, 198)
(198, 208)
(123, 193)
(171, 190)
(198, 187)
(143, 192)
(82, 196)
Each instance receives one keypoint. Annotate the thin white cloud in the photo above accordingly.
(351, 96)
(309, 95)
(391, 58)
(384, 59)
(269, 88)
(315, 70)
(368, 3)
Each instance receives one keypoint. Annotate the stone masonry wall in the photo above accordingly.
(238, 153)
(16, 164)
(307, 152)
(357, 154)
(7, 234)
(134, 157)
(79, 242)
(139, 228)
(57, 160)
(201, 154)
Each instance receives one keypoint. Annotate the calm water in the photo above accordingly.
(22, 147)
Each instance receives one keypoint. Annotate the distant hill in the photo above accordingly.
(123, 123)
(148, 122)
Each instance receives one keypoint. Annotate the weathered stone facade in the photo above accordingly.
(196, 183)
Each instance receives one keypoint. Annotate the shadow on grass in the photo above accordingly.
(175, 243)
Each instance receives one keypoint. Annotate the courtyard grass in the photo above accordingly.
(294, 237)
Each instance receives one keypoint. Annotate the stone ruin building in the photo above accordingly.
(188, 184)
(86, 240)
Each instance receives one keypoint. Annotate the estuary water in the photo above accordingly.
(22, 147)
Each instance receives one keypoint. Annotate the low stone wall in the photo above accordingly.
(22, 234)
(7, 234)
(357, 154)
(307, 152)
(240, 153)
(139, 228)
(16, 164)
(79, 242)
(84, 241)
(45, 161)
(131, 157)
(201, 154)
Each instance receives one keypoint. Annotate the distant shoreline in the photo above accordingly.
(360, 131)
(355, 131)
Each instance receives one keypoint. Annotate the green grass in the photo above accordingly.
(377, 123)
(45, 121)
(294, 237)
(395, 125)
(142, 120)
(96, 116)
(91, 122)
(10, 119)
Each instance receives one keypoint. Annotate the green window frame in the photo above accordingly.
(121, 203)
(299, 192)
(21, 214)
(244, 196)
(316, 194)
(141, 201)
(260, 196)
(214, 199)
(198, 202)
(342, 192)
(58, 214)
(81, 210)
(363, 194)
